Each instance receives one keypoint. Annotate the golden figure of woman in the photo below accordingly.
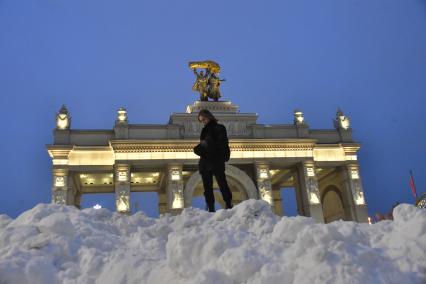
(214, 90)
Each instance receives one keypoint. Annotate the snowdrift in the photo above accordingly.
(248, 244)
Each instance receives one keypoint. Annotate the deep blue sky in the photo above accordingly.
(367, 57)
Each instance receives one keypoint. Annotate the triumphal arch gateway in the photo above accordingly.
(320, 164)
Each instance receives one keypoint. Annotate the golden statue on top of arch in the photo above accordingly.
(207, 82)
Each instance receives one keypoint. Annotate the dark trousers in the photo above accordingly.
(223, 186)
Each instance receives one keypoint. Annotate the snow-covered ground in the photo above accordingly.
(248, 244)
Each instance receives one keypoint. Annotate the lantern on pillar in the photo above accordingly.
(121, 116)
(342, 121)
(63, 119)
(298, 117)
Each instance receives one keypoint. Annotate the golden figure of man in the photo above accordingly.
(200, 84)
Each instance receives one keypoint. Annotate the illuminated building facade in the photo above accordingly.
(321, 165)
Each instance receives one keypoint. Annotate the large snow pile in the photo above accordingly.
(248, 244)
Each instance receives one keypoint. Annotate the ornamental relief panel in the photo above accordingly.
(233, 128)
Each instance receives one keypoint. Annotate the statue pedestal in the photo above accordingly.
(214, 107)
(228, 114)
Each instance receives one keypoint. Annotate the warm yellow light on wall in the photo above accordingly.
(313, 198)
(263, 173)
(310, 172)
(354, 174)
(266, 195)
(122, 176)
(175, 175)
(122, 206)
(359, 200)
(60, 161)
(177, 202)
(59, 181)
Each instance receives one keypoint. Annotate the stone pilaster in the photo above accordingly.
(263, 179)
(309, 191)
(354, 185)
(63, 191)
(174, 189)
(122, 187)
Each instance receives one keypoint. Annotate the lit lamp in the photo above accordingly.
(298, 117)
(63, 119)
(121, 116)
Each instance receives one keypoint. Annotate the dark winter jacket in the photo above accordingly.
(212, 148)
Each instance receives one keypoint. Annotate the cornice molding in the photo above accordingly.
(128, 146)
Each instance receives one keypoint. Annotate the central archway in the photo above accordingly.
(332, 205)
(241, 180)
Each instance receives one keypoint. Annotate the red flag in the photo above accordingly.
(412, 185)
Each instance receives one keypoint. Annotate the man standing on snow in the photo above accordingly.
(213, 150)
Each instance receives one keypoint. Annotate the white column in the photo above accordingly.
(264, 185)
(175, 199)
(122, 187)
(308, 185)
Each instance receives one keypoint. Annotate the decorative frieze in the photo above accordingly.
(233, 128)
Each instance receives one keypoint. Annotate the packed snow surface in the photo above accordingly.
(247, 244)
